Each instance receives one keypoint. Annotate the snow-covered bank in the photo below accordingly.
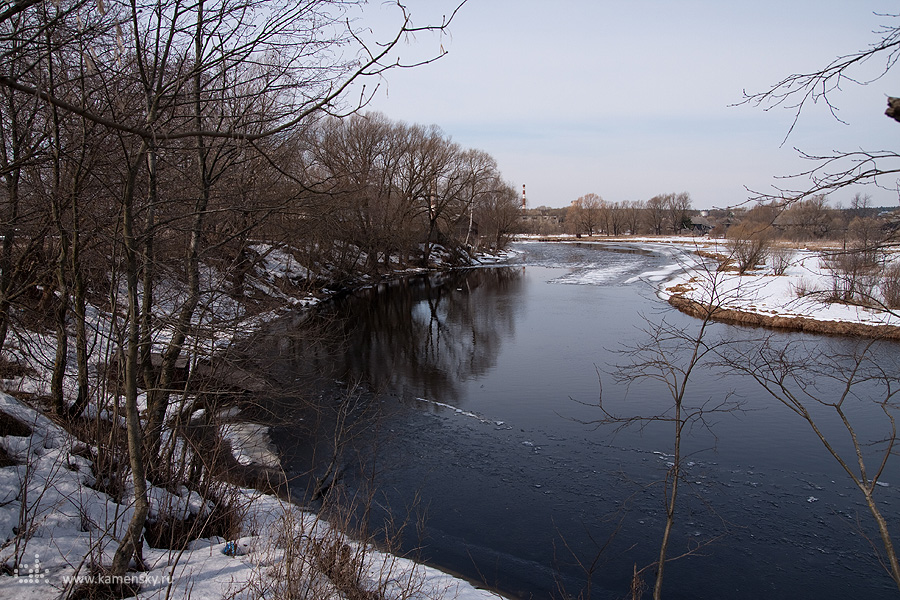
(800, 298)
(57, 524)
(61, 519)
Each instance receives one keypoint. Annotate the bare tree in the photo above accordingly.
(823, 388)
(669, 354)
(678, 207)
(809, 218)
(399, 190)
(656, 214)
(498, 213)
(750, 242)
(585, 213)
(860, 205)
(632, 215)
(617, 218)
(839, 169)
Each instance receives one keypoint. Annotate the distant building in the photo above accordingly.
(539, 221)
(701, 225)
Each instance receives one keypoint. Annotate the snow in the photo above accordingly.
(801, 292)
(74, 524)
(54, 524)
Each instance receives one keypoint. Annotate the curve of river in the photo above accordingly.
(486, 379)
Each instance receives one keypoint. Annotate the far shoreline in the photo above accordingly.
(732, 316)
(799, 324)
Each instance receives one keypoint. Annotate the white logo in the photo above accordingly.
(24, 574)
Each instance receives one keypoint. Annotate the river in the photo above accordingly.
(487, 383)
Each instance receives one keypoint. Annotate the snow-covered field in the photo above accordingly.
(802, 291)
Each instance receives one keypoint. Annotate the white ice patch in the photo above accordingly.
(250, 444)
(461, 412)
(657, 274)
(595, 276)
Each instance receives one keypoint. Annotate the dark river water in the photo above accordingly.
(488, 382)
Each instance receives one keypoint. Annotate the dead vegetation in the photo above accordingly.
(738, 317)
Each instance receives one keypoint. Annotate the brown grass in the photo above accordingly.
(740, 317)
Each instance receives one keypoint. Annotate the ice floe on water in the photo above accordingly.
(250, 444)
(625, 263)
(656, 275)
(596, 275)
(461, 412)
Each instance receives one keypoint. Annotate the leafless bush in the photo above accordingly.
(343, 566)
(310, 559)
(306, 556)
(749, 244)
(890, 286)
(782, 258)
(103, 591)
(853, 276)
(804, 288)
(174, 530)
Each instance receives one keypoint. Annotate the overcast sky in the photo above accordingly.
(629, 99)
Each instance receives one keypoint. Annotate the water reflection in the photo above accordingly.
(522, 350)
(428, 335)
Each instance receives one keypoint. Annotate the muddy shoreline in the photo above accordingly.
(800, 324)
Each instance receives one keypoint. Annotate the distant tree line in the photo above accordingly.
(592, 215)
(813, 218)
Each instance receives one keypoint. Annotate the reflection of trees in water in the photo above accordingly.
(426, 336)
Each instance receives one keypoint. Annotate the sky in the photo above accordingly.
(629, 99)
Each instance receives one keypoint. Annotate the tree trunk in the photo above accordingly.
(132, 544)
(158, 400)
(61, 305)
(670, 506)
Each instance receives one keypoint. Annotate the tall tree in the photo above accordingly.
(186, 88)
(586, 213)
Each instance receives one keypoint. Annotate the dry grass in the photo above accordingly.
(692, 308)
(890, 286)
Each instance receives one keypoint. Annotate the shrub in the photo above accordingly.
(853, 276)
(782, 258)
(890, 286)
(749, 244)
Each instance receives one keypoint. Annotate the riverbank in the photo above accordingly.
(64, 504)
(802, 295)
(70, 521)
(799, 298)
